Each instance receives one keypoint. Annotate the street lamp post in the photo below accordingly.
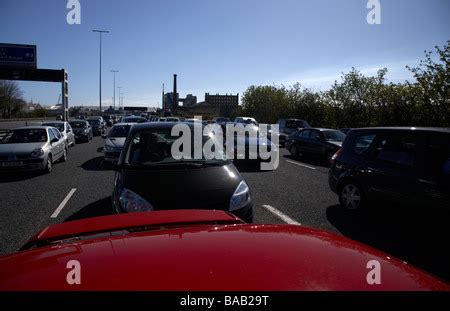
(119, 87)
(114, 87)
(100, 75)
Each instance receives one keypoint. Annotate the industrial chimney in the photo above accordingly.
(175, 92)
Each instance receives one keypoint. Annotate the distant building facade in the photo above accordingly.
(224, 104)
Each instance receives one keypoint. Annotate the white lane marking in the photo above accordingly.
(63, 203)
(281, 215)
(300, 164)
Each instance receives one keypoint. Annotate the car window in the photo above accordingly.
(51, 135)
(304, 134)
(362, 143)
(397, 148)
(293, 124)
(437, 156)
(57, 133)
(153, 147)
(59, 126)
(25, 136)
(120, 131)
(334, 135)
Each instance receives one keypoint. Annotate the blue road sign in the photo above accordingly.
(18, 55)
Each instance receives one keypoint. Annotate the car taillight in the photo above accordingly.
(334, 157)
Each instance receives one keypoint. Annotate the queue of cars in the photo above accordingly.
(212, 207)
(37, 148)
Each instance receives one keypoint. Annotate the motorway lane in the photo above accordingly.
(28, 200)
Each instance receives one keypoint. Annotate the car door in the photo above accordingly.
(70, 134)
(434, 176)
(316, 142)
(392, 165)
(302, 139)
(53, 145)
(60, 145)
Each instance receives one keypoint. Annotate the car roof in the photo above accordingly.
(405, 128)
(172, 257)
(34, 127)
(318, 129)
(124, 123)
(54, 122)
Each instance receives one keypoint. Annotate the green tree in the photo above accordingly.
(432, 82)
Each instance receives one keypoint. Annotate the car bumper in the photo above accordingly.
(81, 136)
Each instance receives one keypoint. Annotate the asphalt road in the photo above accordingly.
(297, 192)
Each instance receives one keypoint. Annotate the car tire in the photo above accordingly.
(351, 196)
(294, 150)
(49, 166)
(64, 156)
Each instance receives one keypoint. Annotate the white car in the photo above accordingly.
(65, 129)
(115, 140)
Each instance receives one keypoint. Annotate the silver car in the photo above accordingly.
(32, 148)
(65, 129)
(115, 140)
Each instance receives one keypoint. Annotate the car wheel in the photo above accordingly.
(294, 150)
(351, 196)
(64, 156)
(48, 166)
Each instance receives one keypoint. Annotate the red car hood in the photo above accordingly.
(212, 250)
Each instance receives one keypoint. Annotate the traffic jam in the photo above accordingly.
(340, 186)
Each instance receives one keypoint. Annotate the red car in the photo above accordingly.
(190, 250)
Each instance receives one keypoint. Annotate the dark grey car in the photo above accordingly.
(316, 141)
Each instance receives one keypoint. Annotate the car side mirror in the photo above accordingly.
(54, 140)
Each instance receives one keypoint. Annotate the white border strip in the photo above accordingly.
(281, 215)
(300, 164)
(63, 203)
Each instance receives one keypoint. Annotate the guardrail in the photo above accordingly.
(28, 119)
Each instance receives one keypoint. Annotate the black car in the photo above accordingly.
(288, 127)
(133, 119)
(345, 130)
(405, 165)
(82, 130)
(98, 126)
(149, 178)
(315, 141)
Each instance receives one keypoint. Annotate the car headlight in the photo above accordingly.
(37, 153)
(109, 148)
(132, 202)
(241, 197)
(86, 131)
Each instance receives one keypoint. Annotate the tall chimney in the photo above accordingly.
(175, 92)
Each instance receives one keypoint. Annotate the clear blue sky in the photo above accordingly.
(218, 46)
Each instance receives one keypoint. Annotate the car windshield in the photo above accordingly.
(94, 122)
(334, 135)
(154, 148)
(78, 124)
(294, 124)
(59, 126)
(134, 120)
(23, 136)
(119, 131)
